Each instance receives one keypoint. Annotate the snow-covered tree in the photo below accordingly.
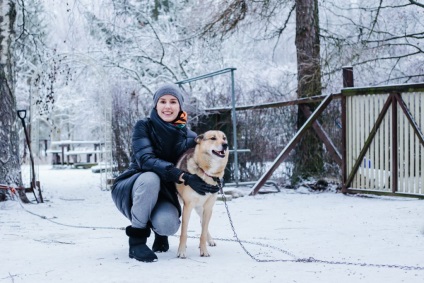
(381, 39)
(123, 49)
(10, 171)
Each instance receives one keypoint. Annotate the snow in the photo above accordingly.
(75, 236)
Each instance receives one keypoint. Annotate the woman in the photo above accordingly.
(145, 193)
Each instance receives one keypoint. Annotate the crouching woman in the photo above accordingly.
(145, 193)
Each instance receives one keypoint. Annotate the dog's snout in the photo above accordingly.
(225, 146)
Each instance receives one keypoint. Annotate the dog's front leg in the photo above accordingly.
(205, 235)
(187, 208)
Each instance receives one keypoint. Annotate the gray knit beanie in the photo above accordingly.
(171, 89)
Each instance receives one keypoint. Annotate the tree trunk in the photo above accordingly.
(308, 158)
(10, 169)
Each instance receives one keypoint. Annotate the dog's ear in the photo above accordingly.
(199, 138)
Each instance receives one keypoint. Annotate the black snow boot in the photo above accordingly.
(138, 248)
(160, 244)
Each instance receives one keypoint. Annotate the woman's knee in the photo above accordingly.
(165, 219)
(147, 180)
(166, 228)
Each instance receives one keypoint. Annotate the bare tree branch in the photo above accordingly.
(374, 22)
(283, 28)
(228, 20)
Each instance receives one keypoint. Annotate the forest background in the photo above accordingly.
(87, 70)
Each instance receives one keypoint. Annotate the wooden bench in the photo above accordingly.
(83, 165)
(72, 149)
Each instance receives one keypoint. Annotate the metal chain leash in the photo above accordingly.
(62, 224)
(237, 239)
(303, 260)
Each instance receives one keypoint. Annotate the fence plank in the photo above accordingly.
(421, 114)
(388, 152)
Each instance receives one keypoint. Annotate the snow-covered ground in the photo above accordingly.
(76, 236)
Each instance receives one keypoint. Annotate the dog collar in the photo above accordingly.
(216, 179)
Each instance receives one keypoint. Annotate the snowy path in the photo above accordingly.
(325, 226)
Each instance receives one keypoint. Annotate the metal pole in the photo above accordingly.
(233, 114)
(233, 111)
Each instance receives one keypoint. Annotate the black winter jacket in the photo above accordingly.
(157, 146)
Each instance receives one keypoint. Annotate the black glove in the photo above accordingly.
(174, 174)
(197, 184)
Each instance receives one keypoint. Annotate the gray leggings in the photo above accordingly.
(163, 215)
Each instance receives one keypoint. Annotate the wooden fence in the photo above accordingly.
(382, 138)
(384, 143)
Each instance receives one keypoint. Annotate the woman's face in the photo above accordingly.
(168, 108)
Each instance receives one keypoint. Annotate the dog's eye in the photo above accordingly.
(213, 138)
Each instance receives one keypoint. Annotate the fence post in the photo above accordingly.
(348, 77)
(394, 168)
(347, 82)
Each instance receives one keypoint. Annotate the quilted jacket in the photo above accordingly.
(156, 147)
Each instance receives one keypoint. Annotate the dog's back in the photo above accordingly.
(183, 161)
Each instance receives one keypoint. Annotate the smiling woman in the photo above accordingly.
(145, 193)
(168, 108)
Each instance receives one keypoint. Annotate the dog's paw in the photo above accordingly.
(211, 243)
(181, 254)
(204, 252)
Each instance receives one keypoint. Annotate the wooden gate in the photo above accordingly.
(383, 140)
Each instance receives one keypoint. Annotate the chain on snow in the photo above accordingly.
(303, 260)
(237, 239)
(62, 224)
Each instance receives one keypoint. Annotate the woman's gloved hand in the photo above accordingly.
(197, 184)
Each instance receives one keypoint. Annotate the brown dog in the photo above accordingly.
(208, 160)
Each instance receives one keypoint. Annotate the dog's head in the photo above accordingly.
(214, 142)
(213, 149)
